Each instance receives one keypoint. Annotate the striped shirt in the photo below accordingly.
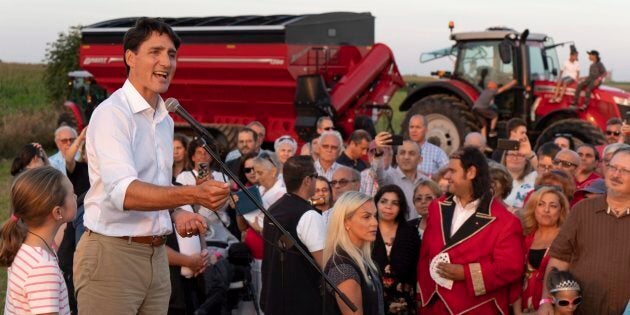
(35, 284)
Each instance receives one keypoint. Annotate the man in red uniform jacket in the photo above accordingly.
(484, 243)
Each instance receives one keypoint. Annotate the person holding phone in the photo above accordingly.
(406, 175)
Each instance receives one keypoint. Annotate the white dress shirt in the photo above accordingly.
(127, 141)
(462, 213)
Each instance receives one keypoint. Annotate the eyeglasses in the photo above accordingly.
(544, 168)
(563, 163)
(423, 198)
(329, 128)
(576, 301)
(341, 182)
(329, 147)
(614, 169)
(248, 170)
(613, 133)
(67, 140)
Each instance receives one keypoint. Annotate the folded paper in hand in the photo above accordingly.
(244, 205)
(443, 282)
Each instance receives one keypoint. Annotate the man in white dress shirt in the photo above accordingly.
(120, 264)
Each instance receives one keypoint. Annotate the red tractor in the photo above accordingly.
(282, 70)
(501, 55)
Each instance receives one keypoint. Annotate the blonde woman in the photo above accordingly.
(545, 211)
(351, 231)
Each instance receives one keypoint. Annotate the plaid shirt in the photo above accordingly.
(433, 159)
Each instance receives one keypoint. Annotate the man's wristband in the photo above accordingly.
(545, 300)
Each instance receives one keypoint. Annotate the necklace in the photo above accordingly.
(45, 243)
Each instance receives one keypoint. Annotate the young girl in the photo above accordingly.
(565, 290)
(42, 200)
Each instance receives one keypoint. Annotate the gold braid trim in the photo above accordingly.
(477, 279)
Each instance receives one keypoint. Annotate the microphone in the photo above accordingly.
(173, 106)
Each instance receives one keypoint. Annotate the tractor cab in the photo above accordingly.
(501, 54)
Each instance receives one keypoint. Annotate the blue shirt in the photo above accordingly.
(433, 159)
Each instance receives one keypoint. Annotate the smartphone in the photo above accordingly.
(507, 144)
(397, 140)
(204, 169)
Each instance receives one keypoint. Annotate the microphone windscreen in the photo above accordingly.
(171, 104)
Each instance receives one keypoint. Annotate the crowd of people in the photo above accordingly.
(128, 222)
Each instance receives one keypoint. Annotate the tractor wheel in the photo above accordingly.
(580, 130)
(449, 120)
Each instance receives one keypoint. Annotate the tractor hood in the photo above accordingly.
(495, 34)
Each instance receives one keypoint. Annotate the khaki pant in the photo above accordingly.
(114, 276)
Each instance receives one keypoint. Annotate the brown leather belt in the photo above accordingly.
(155, 240)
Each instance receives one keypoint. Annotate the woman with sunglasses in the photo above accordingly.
(523, 176)
(423, 194)
(396, 251)
(566, 294)
(545, 212)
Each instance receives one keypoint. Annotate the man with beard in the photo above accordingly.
(479, 244)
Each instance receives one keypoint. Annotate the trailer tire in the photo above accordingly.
(581, 131)
(449, 119)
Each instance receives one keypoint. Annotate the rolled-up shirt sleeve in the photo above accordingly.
(113, 131)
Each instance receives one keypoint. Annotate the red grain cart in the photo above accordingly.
(282, 70)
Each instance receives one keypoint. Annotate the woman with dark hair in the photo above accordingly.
(31, 156)
(322, 199)
(396, 250)
(523, 177)
(180, 155)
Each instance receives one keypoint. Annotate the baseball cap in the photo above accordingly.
(593, 52)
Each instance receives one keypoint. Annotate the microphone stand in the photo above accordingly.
(204, 134)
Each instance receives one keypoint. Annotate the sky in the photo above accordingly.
(408, 27)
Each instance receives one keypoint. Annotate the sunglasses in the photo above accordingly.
(574, 302)
(564, 163)
(268, 158)
(329, 147)
(341, 182)
(329, 128)
(67, 140)
(248, 170)
(613, 133)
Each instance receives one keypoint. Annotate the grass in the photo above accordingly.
(5, 186)
(22, 87)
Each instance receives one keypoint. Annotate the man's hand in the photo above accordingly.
(545, 309)
(383, 140)
(198, 262)
(188, 224)
(212, 194)
(451, 271)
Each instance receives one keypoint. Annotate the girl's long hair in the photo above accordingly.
(34, 194)
(338, 240)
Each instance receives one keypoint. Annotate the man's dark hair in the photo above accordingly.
(515, 123)
(250, 130)
(141, 32)
(401, 217)
(295, 169)
(549, 149)
(614, 121)
(469, 157)
(595, 152)
(359, 135)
